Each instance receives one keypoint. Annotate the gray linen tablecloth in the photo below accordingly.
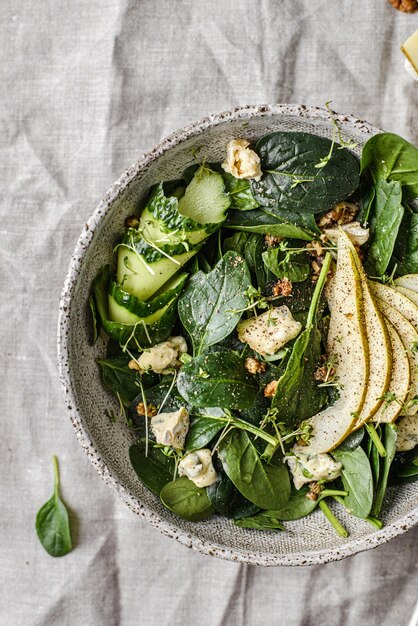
(86, 88)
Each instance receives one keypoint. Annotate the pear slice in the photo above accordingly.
(409, 337)
(397, 300)
(408, 293)
(347, 341)
(380, 350)
(409, 281)
(400, 381)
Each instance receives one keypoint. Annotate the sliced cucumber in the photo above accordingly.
(120, 314)
(205, 200)
(124, 307)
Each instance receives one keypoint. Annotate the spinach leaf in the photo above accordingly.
(186, 500)
(201, 432)
(357, 480)
(291, 178)
(217, 379)
(228, 501)
(296, 507)
(273, 222)
(385, 220)
(390, 157)
(240, 193)
(121, 380)
(253, 256)
(352, 442)
(405, 253)
(207, 306)
(237, 242)
(291, 265)
(265, 485)
(154, 469)
(95, 320)
(297, 395)
(261, 521)
(52, 521)
(389, 442)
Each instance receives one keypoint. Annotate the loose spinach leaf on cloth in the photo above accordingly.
(291, 265)
(186, 500)
(215, 378)
(267, 486)
(228, 501)
(405, 254)
(273, 222)
(297, 395)
(154, 468)
(261, 521)
(357, 480)
(291, 179)
(385, 220)
(389, 441)
(121, 380)
(52, 521)
(207, 306)
(389, 157)
(239, 191)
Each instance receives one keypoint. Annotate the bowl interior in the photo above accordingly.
(310, 540)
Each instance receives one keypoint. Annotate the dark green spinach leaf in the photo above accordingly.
(95, 320)
(228, 501)
(261, 521)
(273, 222)
(186, 500)
(357, 480)
(405, 254)
(155, 469)
(52, 521)
(217, 379)
(240, 193)
(389, 442)
(291, 178)
(291, 265)
(121, 380)
(385, 220)
(201, 432)
(207, 307)
(267, 486)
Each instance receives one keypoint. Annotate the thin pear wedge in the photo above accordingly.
(380, 349)
(409, 281)
(347, 341)
(400, 381)
(397, 300)
(409, 338)
(408, 293)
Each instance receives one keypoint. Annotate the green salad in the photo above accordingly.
(262, 316)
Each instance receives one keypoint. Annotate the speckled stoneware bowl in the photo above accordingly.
(307, 541)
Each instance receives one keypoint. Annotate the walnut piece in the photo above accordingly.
(342, 213)
(315, 490)
(270, 389)
(283, 287)
(151, 410)
(272, 240)
(406, 6)
(254, 366)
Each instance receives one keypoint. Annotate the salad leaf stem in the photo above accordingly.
(376, 439)
(339, 528)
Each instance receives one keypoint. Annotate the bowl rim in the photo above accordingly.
(105, 205)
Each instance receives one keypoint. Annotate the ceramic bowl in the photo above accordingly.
(307, 541)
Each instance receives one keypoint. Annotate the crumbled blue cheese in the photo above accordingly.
(241, 161)
(270, 331)
(163, 357)
(198, 467)
(170, 429)
(307, 466)
(407, 433)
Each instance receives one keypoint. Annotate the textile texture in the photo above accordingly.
(86, 88)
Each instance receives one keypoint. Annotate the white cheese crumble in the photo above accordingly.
(170, 429)
(163, 357)
(270, 331)
(241, 161)
(407, 433)
(198, 467)
(307, 466)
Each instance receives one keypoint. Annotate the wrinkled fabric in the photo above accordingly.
(87, 87)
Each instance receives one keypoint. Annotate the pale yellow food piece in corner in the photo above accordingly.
(410, 50)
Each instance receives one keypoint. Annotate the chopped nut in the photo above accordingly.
(272, 240)
(132, 222)
(406, 6)
(315, 248)
(133, 365)
(254, 366)
(342, 213)
(283, 287)
(150, 411)
(315, 490)
(270, 389)
(324, 373)
(316, 268)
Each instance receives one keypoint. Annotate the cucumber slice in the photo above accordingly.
(205, 200)
(124, 307)
(120, 314)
